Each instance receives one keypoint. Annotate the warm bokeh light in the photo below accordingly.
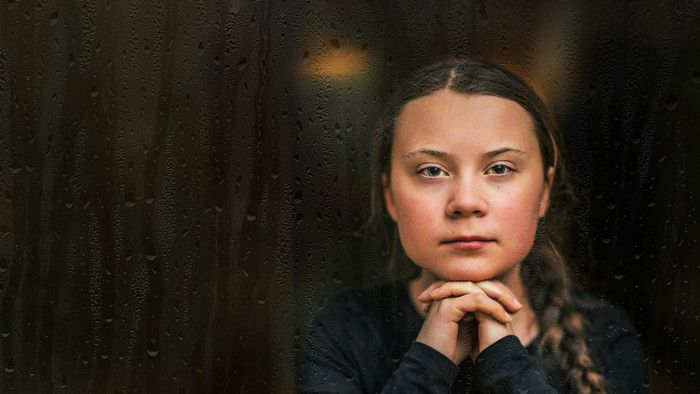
(338, 62)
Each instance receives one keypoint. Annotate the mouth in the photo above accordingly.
(471, 242)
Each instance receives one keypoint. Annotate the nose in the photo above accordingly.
(466, 199)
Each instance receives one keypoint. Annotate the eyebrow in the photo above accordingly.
(441, 154)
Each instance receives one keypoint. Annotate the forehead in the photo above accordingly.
(462, 124)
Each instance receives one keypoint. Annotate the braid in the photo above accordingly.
(564, 327)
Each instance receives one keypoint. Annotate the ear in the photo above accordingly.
(388, 198)
(544, 201)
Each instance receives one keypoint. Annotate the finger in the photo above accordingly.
(500, 293)
(423, 297)
(454, 289)
(479, 302)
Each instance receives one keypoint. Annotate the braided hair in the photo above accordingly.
(544, 271)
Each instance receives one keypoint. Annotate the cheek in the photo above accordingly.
(518, 219)
(415, 211)
(418, 220)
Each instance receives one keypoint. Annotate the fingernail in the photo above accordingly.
(517, 303)
(510, 318)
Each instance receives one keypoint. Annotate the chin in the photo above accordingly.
(475, 272)
(470, 276)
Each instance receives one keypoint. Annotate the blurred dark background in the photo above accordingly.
(184, 183)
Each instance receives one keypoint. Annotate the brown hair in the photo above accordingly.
(544, 271)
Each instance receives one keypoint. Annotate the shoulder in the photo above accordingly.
(345, 343)
(354, 312)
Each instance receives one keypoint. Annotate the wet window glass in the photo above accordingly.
(186, 184)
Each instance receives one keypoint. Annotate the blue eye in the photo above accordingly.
(431, 171)
(500, 169)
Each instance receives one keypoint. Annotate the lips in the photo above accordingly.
(469, 238)
(469, 242)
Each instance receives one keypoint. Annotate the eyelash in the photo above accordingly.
(422, 171)
(508, 169)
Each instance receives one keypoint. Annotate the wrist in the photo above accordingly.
(438, 343)
(490, 333)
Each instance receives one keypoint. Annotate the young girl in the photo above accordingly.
(471, 176)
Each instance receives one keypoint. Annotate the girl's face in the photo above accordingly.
(467, 184)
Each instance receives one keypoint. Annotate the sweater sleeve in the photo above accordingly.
(507, 367)
(343, 354)
(423, 369)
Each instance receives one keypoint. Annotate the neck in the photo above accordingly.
(524, 322)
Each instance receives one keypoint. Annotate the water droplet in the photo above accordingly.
(250, 218)
(671, 103)
(94, 91)
(483, 14)
(150, 257)
(337, 279)
(53, 19)
(338, 134)
(152, 349)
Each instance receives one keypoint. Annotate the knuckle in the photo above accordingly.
(480, 297)
(446, 304)
(472, 289)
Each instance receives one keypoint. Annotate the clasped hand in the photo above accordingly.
(464, 318)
